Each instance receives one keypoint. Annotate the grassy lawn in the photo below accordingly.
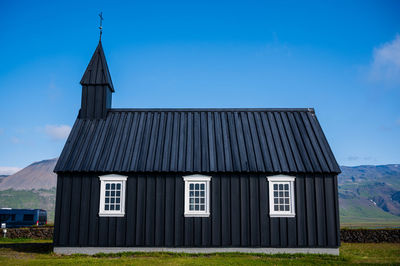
(384, 253)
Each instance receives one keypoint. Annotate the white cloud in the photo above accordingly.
(386, 62)
(8, 170)
(57, 132)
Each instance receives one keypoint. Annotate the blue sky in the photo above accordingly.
(340, 57)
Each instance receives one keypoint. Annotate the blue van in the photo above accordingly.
(22, 217)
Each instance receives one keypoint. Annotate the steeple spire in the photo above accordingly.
(97, 87)
(97, 72)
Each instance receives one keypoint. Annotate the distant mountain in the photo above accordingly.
(38, 175)
(370, 193)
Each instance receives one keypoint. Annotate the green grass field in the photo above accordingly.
(383, 253)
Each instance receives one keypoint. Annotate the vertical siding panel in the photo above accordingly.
(216, 210)
(310, 205)
(206, 231)
(112, 223)
(235, 210)
(283, 232)
(94, 211)
(244, 210)
(336, 196)
(57, 216)
(103, 232)
(254, 212)
(292, 232)
(141, 211)
(330, 211)
(75, 209)
(150, 210)
(120, 231)
(160, 211)
(130, 204)
(320, 210)
(169, 210)
(275, 236)
(179, 211)
(301, 211)
(264, 211)
(65, 210)
(197, 231)
(225, 211)
(84, 212)
(189, 231)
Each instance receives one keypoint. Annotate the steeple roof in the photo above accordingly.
(97, 72)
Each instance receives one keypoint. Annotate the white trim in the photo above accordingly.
(197, 178)
(112, 178)
(107, 250)
(285, 180)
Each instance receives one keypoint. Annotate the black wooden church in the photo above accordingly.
(193, 180)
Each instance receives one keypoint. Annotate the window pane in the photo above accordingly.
(112, 200)
(280, 194)
(280, 187)
(286, 207)
(107, 186)
(191, 186)
(275, 207)
(202, 186)
(111, 207)
(196, 193)
(196, 207)
(117, 207)
(275, 187)
(191, 193)
(107, 193)
(286, 187)
(117, 200)
(286, 201)
(275, 194)
(191, 207)
(112, 193)
(281, 201)
(196, 186)
(191, 200)
(118, 186)
(118, 193)
(113, 186)
(281, 207)
(106, 207)
(202, 200)
(286, 194)
(276, 201)
(201, 207)
(197, 201)
(202, 193)
(107, 200)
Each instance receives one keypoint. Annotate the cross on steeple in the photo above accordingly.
(101, 24)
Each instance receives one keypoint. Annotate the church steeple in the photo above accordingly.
(97, 87)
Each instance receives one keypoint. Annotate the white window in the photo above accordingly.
(281, 196)
(112, 195)
(197, 196)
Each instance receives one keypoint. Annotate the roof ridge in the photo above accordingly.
(212, 110)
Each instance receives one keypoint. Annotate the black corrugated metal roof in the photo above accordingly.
(199, 140)
(97, 72)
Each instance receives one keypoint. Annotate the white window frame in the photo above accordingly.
(197, 178)
(285, 180)
(112, 178)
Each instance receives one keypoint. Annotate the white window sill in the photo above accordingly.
(111, 214)
(288, 215)
(197, 215)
